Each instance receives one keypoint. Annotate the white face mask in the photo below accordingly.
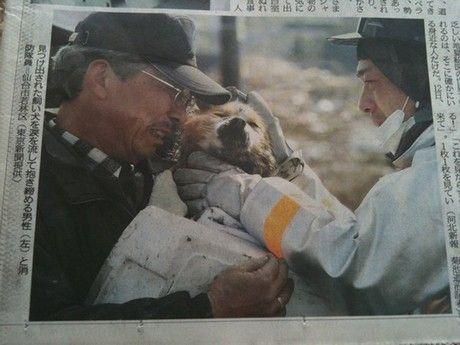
(392, 129)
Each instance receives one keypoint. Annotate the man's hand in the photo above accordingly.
(259, 287)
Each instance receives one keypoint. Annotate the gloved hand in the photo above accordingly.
(281, 150)
(290, 162)
(164, 195)
(208, 182)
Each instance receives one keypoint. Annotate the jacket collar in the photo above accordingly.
(79, 183)
(420, 136)
(424, 140)
(92, 157)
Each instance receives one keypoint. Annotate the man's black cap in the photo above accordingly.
(163, 40)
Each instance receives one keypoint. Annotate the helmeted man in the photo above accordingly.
(391, 251)
(126, 81)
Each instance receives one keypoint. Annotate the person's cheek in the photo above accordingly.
(380, 99)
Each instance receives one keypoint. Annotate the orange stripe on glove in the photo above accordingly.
(277, 222)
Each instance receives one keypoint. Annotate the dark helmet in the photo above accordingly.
(397, 48)
(405, 30)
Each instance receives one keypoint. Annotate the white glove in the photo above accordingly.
(209, 182)
(290, 162)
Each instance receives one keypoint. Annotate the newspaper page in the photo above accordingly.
(241, 171)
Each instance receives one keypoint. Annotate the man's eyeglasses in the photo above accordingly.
(183, 99)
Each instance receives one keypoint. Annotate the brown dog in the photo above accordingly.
(234, 133)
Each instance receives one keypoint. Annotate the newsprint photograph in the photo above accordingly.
(169, 4)
(270, 173)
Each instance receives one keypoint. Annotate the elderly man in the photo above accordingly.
(391, 251)
(126, 81)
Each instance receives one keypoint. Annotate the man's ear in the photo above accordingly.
(97, 78)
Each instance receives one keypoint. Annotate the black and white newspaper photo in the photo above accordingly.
(230, 172)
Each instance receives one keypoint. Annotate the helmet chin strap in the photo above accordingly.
(417, 104)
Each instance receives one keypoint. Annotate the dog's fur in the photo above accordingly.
(234, 133)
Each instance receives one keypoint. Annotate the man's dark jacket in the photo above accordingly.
(81, 215)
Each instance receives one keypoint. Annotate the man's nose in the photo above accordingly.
(366, 103)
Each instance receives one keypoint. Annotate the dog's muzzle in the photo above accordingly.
(232, 133)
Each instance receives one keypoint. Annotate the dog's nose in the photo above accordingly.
(236, 124)
(232, 132)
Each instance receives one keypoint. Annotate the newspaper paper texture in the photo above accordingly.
(284, 55)
(446, 89)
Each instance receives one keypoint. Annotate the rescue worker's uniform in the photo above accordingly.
(392, 250)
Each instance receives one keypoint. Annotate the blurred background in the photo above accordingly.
(2, 14)
(309, 83)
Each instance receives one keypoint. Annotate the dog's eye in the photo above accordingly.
(253, 124)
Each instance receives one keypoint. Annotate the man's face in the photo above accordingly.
(143, 112)
(379, 96)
